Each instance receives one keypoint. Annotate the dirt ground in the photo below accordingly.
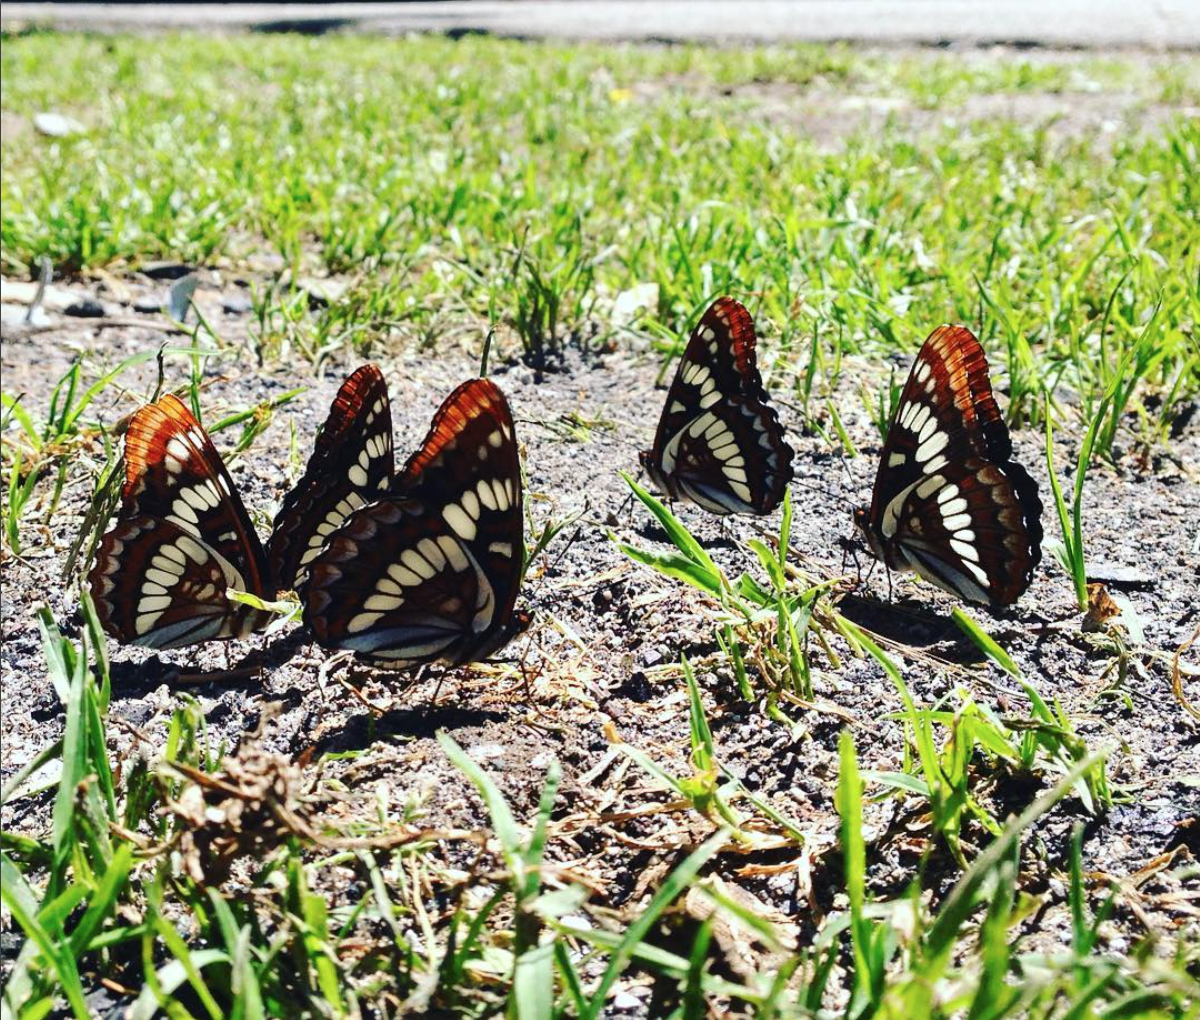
(601, 658)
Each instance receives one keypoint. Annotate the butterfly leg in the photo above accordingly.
(626, 504)
(438, 689)
(867, 580)
(850, 551)
(327, 667)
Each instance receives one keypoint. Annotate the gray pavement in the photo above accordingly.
(1152, 24)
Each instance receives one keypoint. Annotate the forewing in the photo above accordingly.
(351, 465)
(431, 572)
(948, 498)
(157, 585)
(719, 442)
(173, 472)
(719, 360)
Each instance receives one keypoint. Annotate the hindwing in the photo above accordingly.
(949, 500)
(181, 541)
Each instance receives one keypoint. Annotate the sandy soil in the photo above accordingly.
(600, 663)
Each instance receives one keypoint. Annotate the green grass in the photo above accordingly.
(128, 884)
(488, 181)
(459, 184)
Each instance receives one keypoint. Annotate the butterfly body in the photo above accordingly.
(182, 540)
(431, 571)
(719, 443)
(949, 502)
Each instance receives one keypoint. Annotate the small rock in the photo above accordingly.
(322, 292)
(165, 270)
(235, 304)
(21, 292)
(631, 302)
(85, 308)
(12, 315)
(1120, 577)
(55, 125)
(266, 262)
(148, 304)
(624, 1001)
(19, 315)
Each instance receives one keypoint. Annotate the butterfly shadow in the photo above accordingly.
(716, 538)
(397, 724)
(910, 622)
(138, 678)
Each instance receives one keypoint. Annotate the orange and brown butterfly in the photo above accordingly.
(949, 501)
(351, 465)
(719, 442)
(181, 541)
(431, 571)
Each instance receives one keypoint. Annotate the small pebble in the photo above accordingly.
(55, 125)
(148, 303)
(166, 270)
(235, 304)
(85, 308)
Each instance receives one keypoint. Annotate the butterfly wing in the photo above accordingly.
(351, 465)
(431, 572)
(182, 539)
(158, 586)
(949, 501)
(719, 442)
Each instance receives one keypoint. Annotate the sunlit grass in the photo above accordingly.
(530, 184)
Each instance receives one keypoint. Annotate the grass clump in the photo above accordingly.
(531, 184)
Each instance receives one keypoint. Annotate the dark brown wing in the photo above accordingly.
(719, 442)
(156, 585)
(949, 501)
(351, 465)
(432, 572)
(181, 540)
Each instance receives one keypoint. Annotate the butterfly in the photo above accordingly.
(351, 465)
(949, 500)
(719, 442)
(182, 539)
(431, 570)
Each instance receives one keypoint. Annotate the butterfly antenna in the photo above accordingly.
(823, 492)
(532, 600)
(837, 451)
(526, 683)
(610, 436)
(162, 371)
(487, 349)
(626, 504)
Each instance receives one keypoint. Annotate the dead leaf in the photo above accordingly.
(1101, 607)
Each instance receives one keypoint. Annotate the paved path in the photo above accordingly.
(1156, 24)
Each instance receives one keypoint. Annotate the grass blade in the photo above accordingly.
(675, 884)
